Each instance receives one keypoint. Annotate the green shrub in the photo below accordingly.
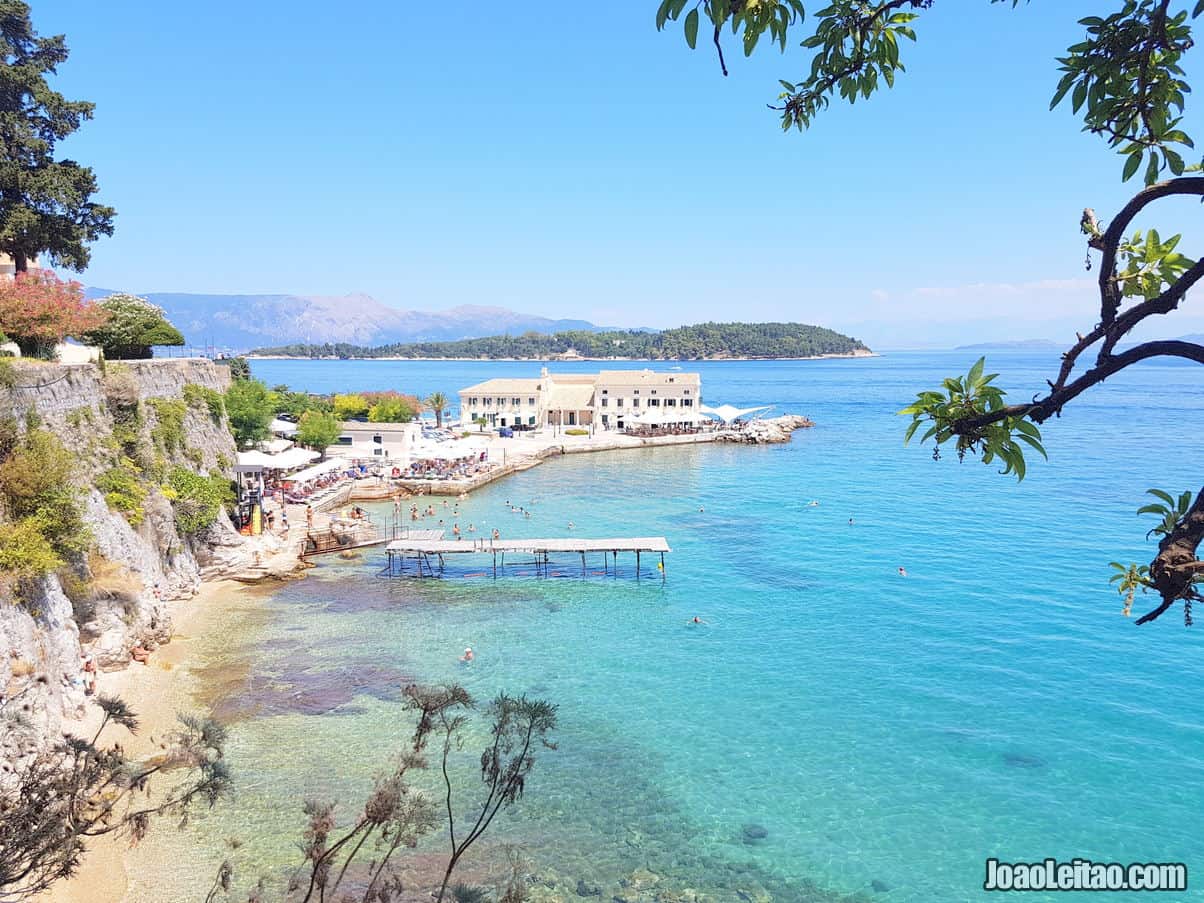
(124, 491)
(202, 397)
(35, 484)
(576, 432)
(25, 551)
(196, 498)
(79, 416)
(168, 433)
(8, 373)
(195, 457)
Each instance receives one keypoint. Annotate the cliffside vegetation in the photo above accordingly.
(705, 340)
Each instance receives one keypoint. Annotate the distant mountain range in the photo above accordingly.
(242, 322)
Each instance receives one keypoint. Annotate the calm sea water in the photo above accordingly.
(888, 733)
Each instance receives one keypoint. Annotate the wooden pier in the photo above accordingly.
(428, 554)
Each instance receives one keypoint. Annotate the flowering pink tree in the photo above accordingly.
(38, 310)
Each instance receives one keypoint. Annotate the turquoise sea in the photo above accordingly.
(888, 733)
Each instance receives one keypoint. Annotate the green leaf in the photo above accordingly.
(1162, 494)
(976, 372)
(1131, 165)
(692, 28)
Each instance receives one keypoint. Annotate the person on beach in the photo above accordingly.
(496, 534)
(456, 530)
(283, 521)
(271, 521)
(309, 517)
(467, 656)
(89, 669)
(140, 654)
(472, 528)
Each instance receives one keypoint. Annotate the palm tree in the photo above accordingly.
(437, 402)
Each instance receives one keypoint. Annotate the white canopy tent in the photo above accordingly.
(452, 450)
(283, 428)
(286, 460)
(318, 470)
(727, 413)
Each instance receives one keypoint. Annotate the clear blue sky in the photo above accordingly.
(571, 161)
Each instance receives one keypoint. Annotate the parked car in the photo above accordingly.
(505, 432)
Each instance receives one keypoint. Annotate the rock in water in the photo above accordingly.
(879, 887)
(754, 833)
(587, 890)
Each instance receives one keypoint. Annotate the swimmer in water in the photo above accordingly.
(813, 503)
(467, 656)
(571, 525)
(902, 572)
(850, 521)
(697, 620)
(700, 509)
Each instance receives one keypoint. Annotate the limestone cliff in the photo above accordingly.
(140, 419)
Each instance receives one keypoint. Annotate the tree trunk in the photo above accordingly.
(20, 262)
(439, 419)
(1174, 570)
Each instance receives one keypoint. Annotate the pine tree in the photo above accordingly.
(45, 204)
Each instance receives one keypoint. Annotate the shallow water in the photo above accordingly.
(879, 729)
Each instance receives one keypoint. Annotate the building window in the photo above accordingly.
(501, 402)
(604, 419)
(654, 391)
(670, 402)
(671, 379)
(654, 402)
(377, 439)
(685, 391)
(605, 392)
(474, 402)
(345, 440)
(635, 402)
(635, 391)
(605, 402)
(488, 402)
(687, 402)
(531, 421)
(618, 402)
(531, 401)
(516, 401)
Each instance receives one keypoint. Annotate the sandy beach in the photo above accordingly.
(156, 691)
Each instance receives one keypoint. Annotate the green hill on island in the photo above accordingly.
(699, 342)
